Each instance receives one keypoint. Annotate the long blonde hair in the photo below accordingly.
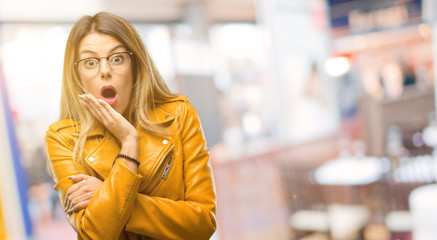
(149, 89)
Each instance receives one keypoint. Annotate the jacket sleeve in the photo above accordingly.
(194, 217)
(110, 208)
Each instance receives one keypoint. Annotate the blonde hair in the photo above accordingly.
(148, 91)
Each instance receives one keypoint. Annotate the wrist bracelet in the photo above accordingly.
(127, 157)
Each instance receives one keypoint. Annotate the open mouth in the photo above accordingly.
(109, 94)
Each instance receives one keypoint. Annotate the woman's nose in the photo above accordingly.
(105, 69)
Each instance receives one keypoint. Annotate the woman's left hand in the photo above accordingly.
(79, 195)
(119, 126)
(122, 129)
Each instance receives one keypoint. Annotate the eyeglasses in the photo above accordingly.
(90, 67)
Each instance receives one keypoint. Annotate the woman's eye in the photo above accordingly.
(90, 63)
(117, 59)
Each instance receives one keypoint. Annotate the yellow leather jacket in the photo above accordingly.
(171, 197)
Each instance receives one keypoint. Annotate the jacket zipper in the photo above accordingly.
(154, 175)
(163, 175)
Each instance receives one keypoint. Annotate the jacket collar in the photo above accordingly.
(99, 130)
(160, 116)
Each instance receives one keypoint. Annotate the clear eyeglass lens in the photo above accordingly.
(117, 61)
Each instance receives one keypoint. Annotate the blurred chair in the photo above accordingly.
(311, 216)
(407, 175)
(308, 211)
(398, 218)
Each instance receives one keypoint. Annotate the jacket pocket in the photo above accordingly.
(160, 172)
(163, 175)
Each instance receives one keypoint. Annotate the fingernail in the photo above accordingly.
(81, 96)
(70, 177)
(81, 101)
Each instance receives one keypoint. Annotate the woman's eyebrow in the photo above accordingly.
(87, 51)
(116, 47)
(110, 51)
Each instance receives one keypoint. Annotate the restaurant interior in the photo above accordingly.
(320, 115)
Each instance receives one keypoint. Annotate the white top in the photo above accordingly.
(351, 171)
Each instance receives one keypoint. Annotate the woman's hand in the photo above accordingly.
(116, 124)
(79, 195)
(110, 118)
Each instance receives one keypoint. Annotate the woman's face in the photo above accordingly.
(114, 87)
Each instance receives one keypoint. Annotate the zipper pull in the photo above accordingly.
(166, 168)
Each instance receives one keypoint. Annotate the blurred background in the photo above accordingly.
(320, 114)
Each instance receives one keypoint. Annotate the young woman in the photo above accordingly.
(128, 157)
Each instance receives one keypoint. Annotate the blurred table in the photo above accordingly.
(348, 182)
(423, 206)
(351, 171)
